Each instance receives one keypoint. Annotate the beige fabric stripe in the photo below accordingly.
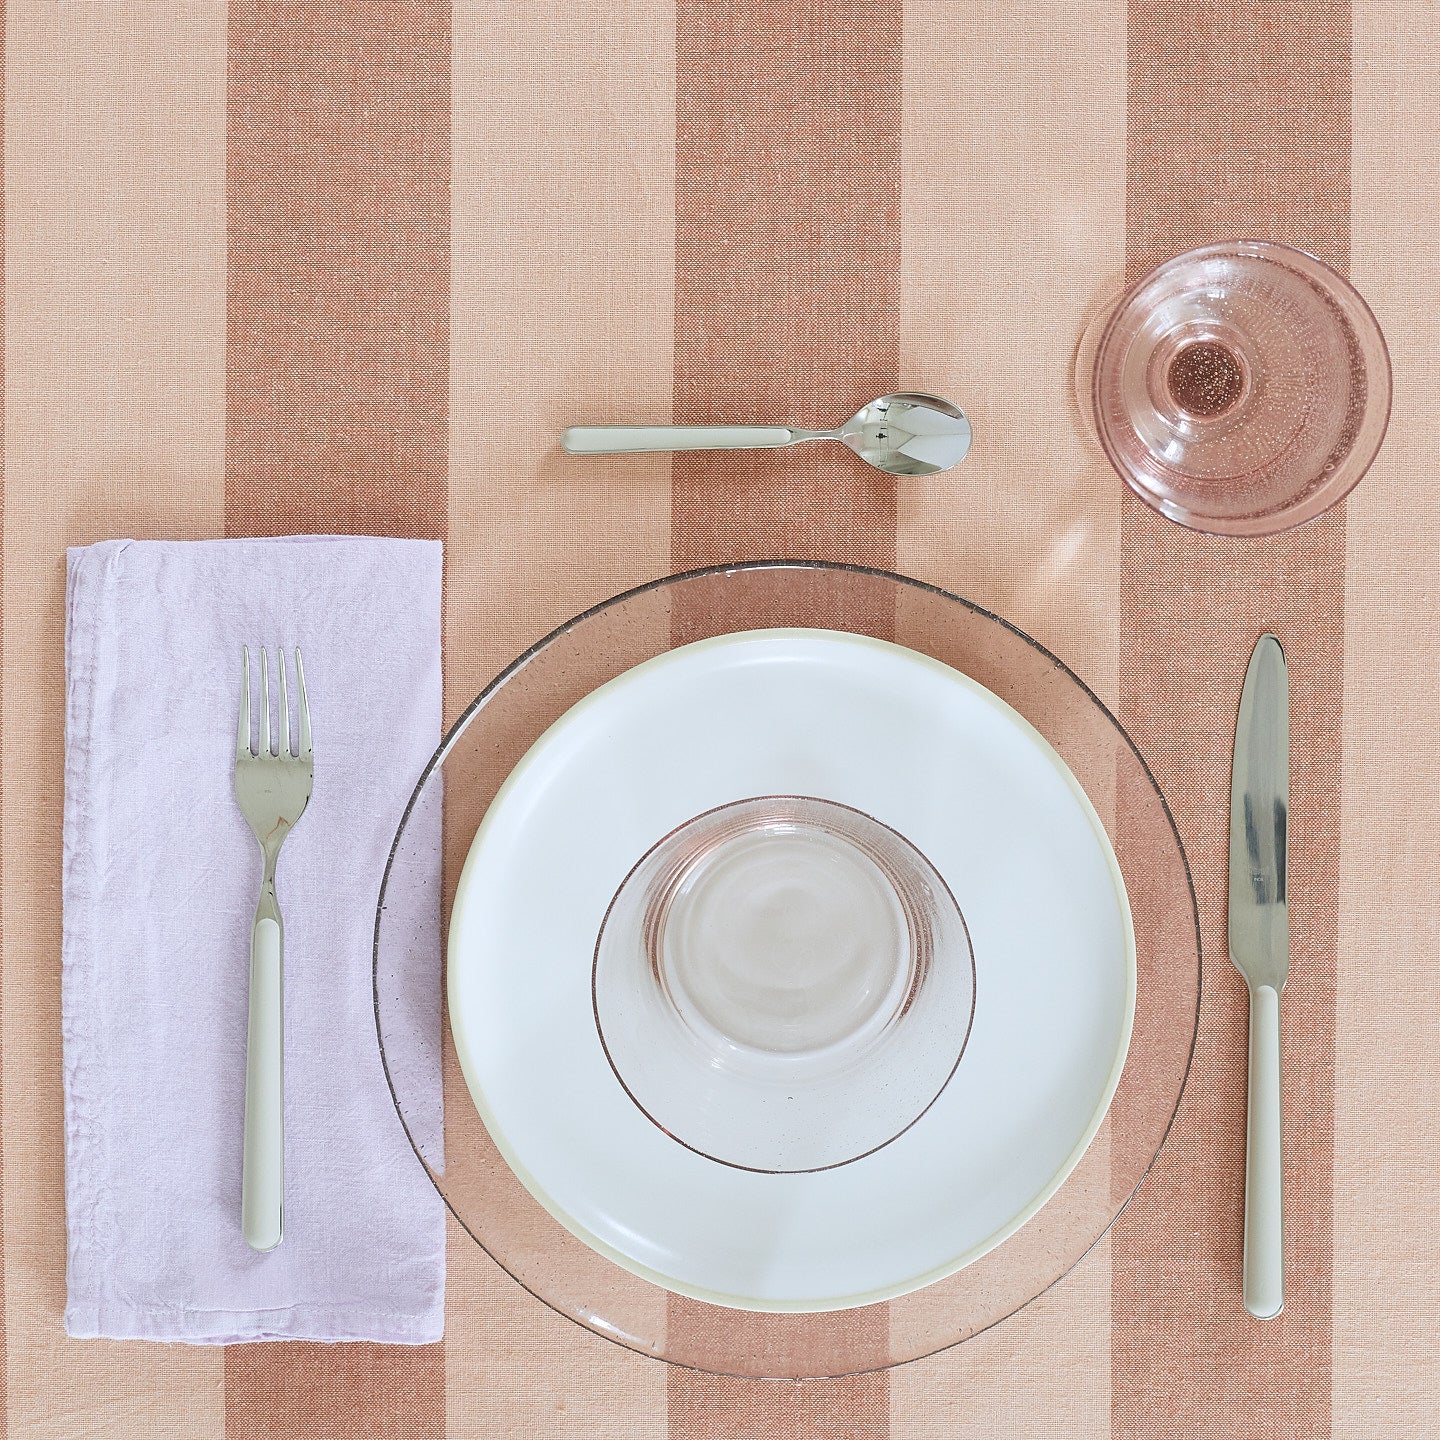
(787, 293)
(337, 415)
(1238, 124)
(515, 1368)
(1008, 246)
(1014, 222)
(1387, 1123)
(115, 253)
(562, 226)
(849, 1409)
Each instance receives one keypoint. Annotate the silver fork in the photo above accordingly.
(273, 789)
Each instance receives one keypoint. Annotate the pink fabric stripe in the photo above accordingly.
(1239, 124)
(787, 297)
(337, 416)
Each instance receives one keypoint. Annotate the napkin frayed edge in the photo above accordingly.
(304, 1322)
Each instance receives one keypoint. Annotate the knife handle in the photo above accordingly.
(1264, 1247)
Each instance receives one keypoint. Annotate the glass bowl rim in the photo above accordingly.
(1294, 514)
(615, 1068)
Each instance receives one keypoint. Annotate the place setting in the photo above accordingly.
(785, 968)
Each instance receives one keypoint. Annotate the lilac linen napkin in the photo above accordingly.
(161, 875)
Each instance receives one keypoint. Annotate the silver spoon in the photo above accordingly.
(899, 434)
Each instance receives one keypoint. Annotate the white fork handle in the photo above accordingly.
(638, 439)
(1264, 1239)
(263, 1183)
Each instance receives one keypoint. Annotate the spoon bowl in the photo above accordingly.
(908, 434)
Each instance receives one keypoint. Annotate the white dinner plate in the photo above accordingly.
(928, 752)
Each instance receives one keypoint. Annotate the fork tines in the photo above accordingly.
(243, 744)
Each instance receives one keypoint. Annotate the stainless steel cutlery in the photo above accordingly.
(899, 434)
(273, 785)
(273, 788)
(1259, 939)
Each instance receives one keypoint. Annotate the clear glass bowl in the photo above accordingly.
(485, 744)
(783, 984)
(1242, 388)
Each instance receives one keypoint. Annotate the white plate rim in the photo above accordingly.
(795, 1305)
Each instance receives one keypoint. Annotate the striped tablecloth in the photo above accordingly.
(336, 265)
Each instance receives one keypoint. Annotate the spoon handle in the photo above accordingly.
(630, 439)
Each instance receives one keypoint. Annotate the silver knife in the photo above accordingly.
(1260, 950)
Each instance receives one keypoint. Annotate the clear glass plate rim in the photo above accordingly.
(502, 677)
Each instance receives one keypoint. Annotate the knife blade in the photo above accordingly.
(1259, 941)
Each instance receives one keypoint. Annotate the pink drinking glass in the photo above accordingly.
(1242, 388)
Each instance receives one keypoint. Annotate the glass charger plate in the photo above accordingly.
(490, 738)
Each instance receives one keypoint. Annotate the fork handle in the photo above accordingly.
(263, 1182)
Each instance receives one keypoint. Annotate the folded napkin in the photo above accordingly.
(161, 876)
